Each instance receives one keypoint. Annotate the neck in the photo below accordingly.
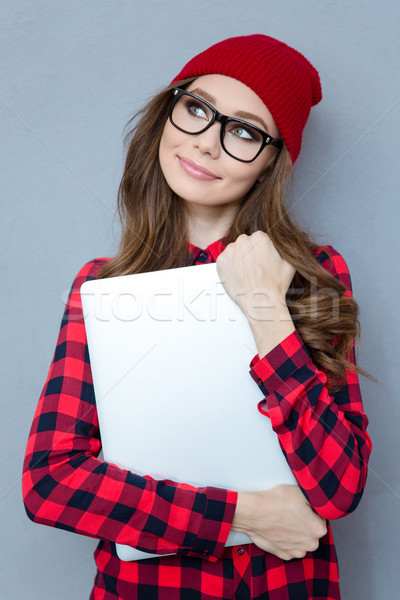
(205, 226)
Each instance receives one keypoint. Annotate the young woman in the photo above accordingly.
(204, 181)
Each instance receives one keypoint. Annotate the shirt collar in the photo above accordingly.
(214, 249)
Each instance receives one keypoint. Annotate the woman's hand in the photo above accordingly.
(279, 521)
(257, 279)
(253, 273)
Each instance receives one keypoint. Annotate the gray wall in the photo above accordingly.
(71, 75)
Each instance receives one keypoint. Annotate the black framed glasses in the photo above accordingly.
(239, 139)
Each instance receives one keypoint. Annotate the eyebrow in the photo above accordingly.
(241, 114)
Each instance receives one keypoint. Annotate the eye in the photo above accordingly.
(196, 109)
(241, 132)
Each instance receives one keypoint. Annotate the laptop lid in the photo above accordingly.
(170, 354)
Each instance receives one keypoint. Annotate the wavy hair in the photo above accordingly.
(153, 221)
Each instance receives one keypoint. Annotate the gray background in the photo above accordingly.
(71, 75)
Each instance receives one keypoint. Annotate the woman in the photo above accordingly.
(204, 181)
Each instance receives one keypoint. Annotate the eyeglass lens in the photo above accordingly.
(193, 116)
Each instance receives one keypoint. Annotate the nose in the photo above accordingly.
(209, 142)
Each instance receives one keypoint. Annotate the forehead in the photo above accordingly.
(231, 97)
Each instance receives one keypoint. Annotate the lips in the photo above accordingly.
(196, 170)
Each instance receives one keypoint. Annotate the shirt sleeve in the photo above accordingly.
(66, 485)
(323, 436)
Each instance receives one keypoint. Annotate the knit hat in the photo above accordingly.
(283, 78)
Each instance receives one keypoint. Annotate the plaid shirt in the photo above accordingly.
(65, 485)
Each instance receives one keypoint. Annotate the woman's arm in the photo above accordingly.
(323, 436)
(65, 485)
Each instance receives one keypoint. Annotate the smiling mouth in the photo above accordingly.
(195, 170)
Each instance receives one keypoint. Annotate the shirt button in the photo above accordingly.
(260, 382)
(240, 551)
(203, 255)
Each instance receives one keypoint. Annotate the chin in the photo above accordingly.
(190, 194)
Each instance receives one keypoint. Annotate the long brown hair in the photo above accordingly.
(153, 237)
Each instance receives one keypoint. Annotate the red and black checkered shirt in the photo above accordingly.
(65, 485)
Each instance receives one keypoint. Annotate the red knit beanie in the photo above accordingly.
(283, 78)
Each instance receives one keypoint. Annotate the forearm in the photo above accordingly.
(323, 437)
(269, 325)
(98, 499)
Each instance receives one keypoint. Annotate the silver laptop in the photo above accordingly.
(170, 354)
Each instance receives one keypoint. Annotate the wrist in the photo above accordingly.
(269, 333)
(245, 507)
(274, 311)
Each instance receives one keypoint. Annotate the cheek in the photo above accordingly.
(244, 175)
(170, 138)
(165, 149)
(251, 173)
(170, 143)
(163, 142)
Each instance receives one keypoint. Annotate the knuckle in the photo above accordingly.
(284, 555)
(298, 553)
(313, 545)
(319, 527)
(322, 530)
